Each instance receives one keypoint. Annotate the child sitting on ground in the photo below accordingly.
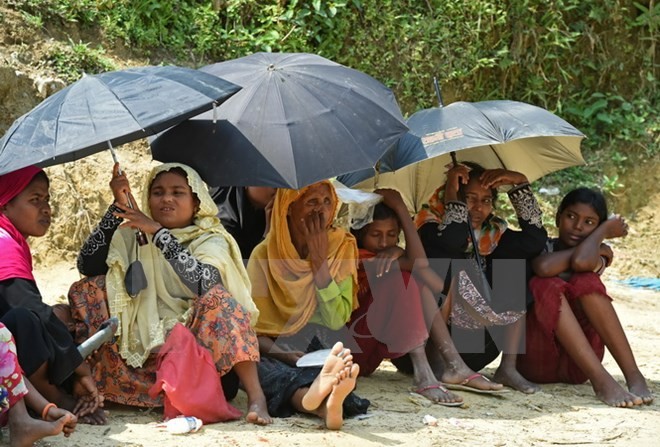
(573, 318)
(17, 395)
(396, 311)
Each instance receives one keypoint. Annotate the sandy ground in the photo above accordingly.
(559, 415)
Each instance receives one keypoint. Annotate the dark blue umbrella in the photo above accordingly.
(300, 118)
(108, 109)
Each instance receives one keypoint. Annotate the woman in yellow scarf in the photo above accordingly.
(193, 274)
(304, 278)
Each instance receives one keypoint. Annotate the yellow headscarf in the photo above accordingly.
(282, 283)
(146, 319)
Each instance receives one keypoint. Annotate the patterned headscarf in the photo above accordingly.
(282, 282)
(16, 259)
(488, 235)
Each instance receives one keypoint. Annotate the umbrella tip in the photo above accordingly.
(271, 67)
(437, 91)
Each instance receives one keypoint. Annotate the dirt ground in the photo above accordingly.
(566, 415)
(559, 415)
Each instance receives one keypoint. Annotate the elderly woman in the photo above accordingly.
(304, 277)
(194, 275)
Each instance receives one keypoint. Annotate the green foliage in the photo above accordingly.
(73, 60)
(83, 11)
(593, 62)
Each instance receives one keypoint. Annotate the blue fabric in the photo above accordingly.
(651, 283)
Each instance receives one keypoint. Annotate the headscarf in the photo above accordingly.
(147, 318)
(16, 259)
(488, 235)
(283, 283)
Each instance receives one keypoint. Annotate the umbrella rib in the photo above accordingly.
(314, 76)
(343, 126)
(130, 112)
(492, 148)
(57, 121)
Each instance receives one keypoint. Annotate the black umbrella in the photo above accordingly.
(106, 109)
(300, 118)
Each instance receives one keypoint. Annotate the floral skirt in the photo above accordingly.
(12, 386)
(218, 321)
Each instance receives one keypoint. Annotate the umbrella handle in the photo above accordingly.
(461, 197)
(140, 237)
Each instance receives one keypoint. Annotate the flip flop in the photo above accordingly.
(463, 386)
(439, 387)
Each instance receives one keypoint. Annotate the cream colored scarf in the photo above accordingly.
(146, 319)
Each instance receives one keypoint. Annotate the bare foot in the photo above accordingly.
(57, 413)
(460, 375)
(97, 417)
(258, 411)
(24, 431)
(614, 395)
(327, 378)
(438, 394)
(638, 387)
(512, 378)
(334, 415)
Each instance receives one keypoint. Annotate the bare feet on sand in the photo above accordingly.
(24, 430)
(613, 394)
(329, 376)
(97, 417)
(55, 414)
(258, 411)
(334, 412)
(512, 378)
(638, 387)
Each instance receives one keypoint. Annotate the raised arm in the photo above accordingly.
(552, 263)
(587, 255)
(94, 252)
(198, 276)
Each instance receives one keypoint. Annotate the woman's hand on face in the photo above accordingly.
(385, 258)
(316, 235)
(134, 218)
(119, 185)
(494, 178)
(615, 226)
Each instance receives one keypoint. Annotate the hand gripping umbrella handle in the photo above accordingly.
(140, 237)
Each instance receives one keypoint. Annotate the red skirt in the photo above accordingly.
(218, 322)
(545, 360)
(389, 322)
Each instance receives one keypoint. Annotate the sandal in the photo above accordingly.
(463, 386)
(438, 387)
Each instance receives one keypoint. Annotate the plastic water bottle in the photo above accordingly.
(183, 424)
